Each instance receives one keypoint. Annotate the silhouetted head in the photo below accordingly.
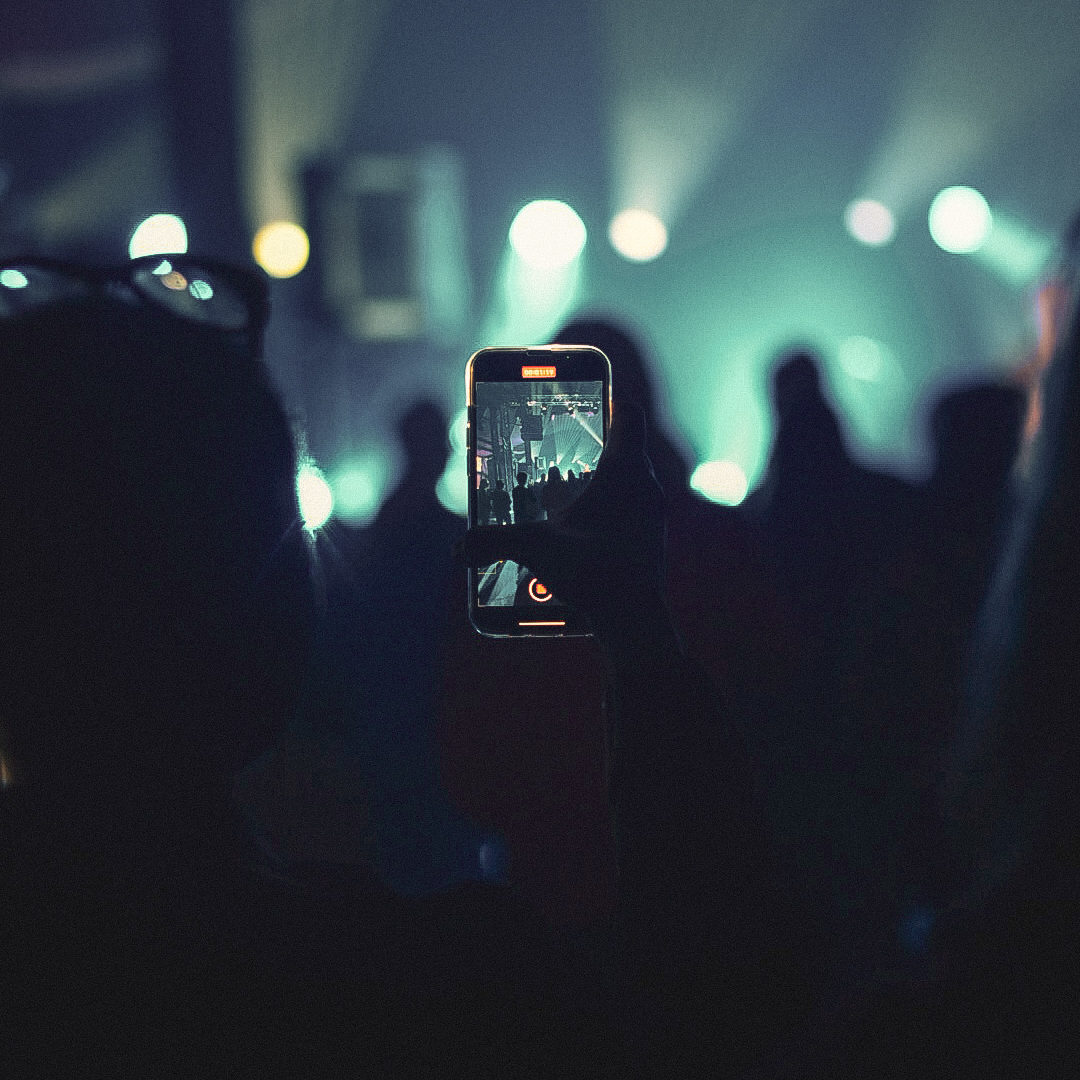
(630, 374)
(554, 474)
(808, 439)
(976, 432)
(522, 478)
(157, 595)
(632, 380)
(796, 383)
(423, 431)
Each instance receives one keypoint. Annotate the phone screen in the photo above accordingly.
(538, 421)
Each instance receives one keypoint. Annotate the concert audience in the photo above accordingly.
(765, 670)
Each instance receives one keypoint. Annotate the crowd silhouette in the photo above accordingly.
(802, 806)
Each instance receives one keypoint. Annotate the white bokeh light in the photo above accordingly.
(547, 234)
(159, 234)
(959, 220)
(638, 235)
(314, 495)
(721, 482)
(870, 222)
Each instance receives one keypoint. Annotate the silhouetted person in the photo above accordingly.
(701, 965)
(967, 503)
(556, 495)
(524, 499)
(500, 504)
(997, 998)
(803, 499)
(158, 604)
(483, 501)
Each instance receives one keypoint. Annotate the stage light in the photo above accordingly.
(159, 234)
(357, 486)
(13, 279)
(281, 248)
(314, 495)
(959, 220)
(638, 235)
(721, 482)
(861, 357)
(870, 222)
(530, 301)
(547, 234)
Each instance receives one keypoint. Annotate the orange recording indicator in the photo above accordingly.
(542, 622)
(539, 591)
(538, 373)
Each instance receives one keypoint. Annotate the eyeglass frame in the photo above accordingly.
(251, 284)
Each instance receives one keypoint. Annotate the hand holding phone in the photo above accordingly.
(604, 555)
(538, 421)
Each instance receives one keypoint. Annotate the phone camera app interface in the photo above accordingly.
(537, 444)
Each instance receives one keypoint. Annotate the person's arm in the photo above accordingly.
(679, 779)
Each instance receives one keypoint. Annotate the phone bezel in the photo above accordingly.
(575, 363)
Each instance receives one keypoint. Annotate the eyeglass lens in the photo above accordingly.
(187, 289)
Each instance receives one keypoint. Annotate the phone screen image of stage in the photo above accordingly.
(537, 445)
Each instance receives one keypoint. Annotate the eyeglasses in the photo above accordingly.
(217, 295)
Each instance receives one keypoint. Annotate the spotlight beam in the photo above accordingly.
(683, 77)
(944, 118)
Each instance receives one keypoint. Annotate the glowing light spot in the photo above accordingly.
(547, 234)
(357, 488)
(870, 222)
(314, 495)
(159, 234)
(201, 290)
(638, 235)
(13, 279)
(720, 482)
(959, 220)
(281, 248)
(862, 358)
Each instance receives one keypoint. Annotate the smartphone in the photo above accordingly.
(538, 418)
